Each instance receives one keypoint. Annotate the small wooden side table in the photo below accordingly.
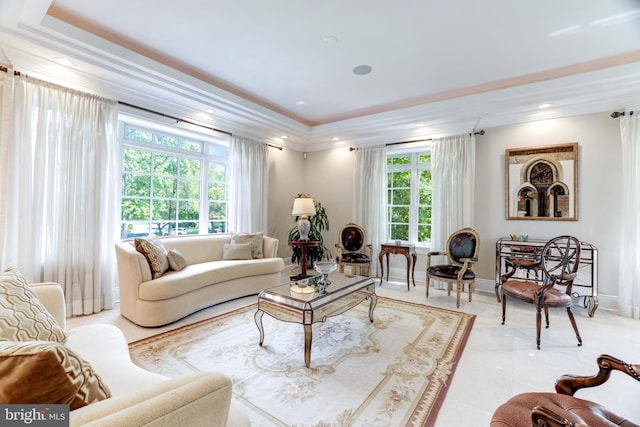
(409, 251)
(303, 244)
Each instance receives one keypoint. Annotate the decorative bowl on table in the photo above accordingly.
(324, 268)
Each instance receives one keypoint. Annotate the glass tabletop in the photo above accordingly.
(291, 294)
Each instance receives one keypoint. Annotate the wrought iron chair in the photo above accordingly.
(562, 408)
(353, 251)
(462, 254)
(560, 260)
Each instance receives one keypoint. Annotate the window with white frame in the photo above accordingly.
(409, 197)
(172, 184)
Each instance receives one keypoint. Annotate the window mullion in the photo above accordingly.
(203, 223)
(413, 208)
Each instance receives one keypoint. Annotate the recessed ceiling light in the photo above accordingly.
(420, 125)
(335, 138)
(544, 105)
(63, 61)
(210, 110)
(284, 137)
(300, 103)
(362, 70)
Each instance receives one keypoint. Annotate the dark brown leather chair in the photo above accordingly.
(560, 260)
(562, 408)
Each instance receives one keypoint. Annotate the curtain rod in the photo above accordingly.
(6, 70)
(480, 132)
(17, 73)
(177, 119)
(617, 114)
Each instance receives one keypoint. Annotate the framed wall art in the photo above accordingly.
(542, 183)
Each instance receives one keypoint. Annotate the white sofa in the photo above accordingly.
(206, 280)
(139, 397)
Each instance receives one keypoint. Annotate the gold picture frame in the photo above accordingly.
(542, 183)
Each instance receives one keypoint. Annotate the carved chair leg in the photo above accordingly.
(458, 289)
(575, 326)
(470, 291)
(504, 307)
(427, 291)
(546, 317)
(538, 325)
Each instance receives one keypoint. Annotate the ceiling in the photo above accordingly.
(279, 68)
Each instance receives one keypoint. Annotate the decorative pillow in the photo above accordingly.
(237, 251)
(176, 260)
(254, 238)
(43, 372)
(155, 253)
(22, 315)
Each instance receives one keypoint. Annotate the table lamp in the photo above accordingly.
(303, 207)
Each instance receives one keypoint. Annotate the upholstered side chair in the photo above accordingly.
(462, 254)
(560, 261)
(353, 251)
(562, 408)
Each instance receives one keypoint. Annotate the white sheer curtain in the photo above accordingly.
(629, 278)
(453, 160)
(58, 185)
(247, 187)
(370, 194)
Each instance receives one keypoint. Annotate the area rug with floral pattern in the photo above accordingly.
(392, 372)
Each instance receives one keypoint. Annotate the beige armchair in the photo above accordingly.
(139, 397)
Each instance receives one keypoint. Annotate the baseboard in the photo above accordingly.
(605, 302)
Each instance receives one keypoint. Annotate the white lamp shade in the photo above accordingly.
(303, 206)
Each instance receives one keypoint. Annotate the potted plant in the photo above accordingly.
(319, 223)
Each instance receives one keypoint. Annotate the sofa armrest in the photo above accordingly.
(51, 296)
(270, 247)
(133, 269)
(201, 399)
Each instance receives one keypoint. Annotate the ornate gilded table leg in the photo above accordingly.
(373, 300)
(307, 345)
(258, 318)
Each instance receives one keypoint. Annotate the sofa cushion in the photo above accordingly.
(155, 253)
(22, 315)
(45, 372)
(237, 251)
(176, 260)
(175, 283)
(254, 238)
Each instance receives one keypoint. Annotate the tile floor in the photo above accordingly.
(499, 360)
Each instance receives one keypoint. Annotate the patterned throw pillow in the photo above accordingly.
(43, 372)
(254, 238)
(155, 253)
(237, 251)
(22, 315)
(176, 260)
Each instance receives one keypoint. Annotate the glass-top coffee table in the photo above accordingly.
(307, 307)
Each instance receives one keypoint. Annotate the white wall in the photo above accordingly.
(599, 182)
(286, 176)
(328, 177)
